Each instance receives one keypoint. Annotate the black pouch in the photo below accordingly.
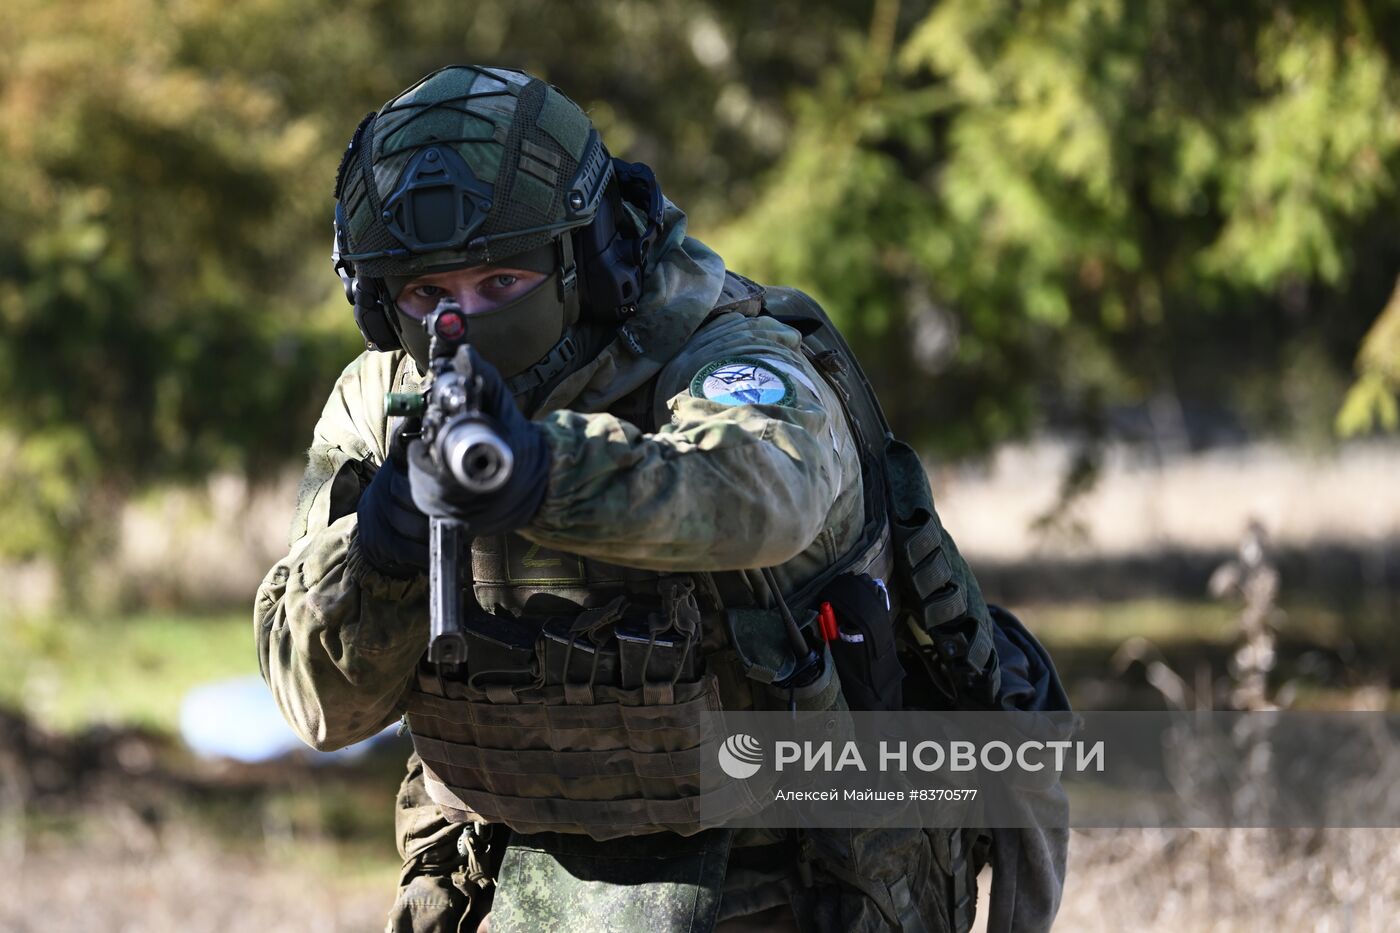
(500, 649)
(653, 658)
(864, 648)
(573, 658)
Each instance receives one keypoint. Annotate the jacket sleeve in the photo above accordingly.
(337, 641)
(719, 487)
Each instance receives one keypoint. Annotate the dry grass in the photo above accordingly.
(183, 547)
(210, 545)
(1200, 502)
(1217, 880)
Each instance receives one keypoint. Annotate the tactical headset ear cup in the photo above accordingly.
(373, 319)
(611, 260)
(372, 311)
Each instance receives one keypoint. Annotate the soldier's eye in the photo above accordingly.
(428, 291)
(505, 281)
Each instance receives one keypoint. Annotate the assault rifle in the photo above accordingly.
(462, 445)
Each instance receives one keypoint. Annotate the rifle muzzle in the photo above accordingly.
(475, 455)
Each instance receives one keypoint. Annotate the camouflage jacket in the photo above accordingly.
(715, 487)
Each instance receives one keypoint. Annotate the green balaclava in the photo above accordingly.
(513, 336)
(471, 166)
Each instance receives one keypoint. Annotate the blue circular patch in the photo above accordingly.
(742, 380)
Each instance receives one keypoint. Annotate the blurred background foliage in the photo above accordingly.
(1145, 228)
(1127, 218)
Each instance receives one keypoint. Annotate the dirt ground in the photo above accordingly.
(1186, 881)
(120, 830)
(187, 884)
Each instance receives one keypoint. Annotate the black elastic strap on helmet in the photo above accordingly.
(372, 315)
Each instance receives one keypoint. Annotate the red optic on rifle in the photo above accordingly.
(451, 326)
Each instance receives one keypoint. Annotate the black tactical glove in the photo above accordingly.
(393, 531)
(513, 505)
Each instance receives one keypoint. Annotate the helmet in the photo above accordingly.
(474, 166)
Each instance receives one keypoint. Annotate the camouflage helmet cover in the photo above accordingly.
(469, 166)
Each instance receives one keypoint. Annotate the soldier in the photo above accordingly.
(677, 454)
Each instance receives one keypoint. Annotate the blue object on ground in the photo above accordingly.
(238, 719)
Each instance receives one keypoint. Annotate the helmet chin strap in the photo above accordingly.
(568, 276)
(562, 353)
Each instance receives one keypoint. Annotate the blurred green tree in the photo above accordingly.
(156, 318)
(164, 286)
(1025, 213)
(1049, 208)
(1371, 402)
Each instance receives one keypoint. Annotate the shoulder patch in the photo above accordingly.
(742, 380)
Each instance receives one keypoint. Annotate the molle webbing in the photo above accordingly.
(602, 759)
(614, 766)
(601, 819)
(932, 581)
(596, 723)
